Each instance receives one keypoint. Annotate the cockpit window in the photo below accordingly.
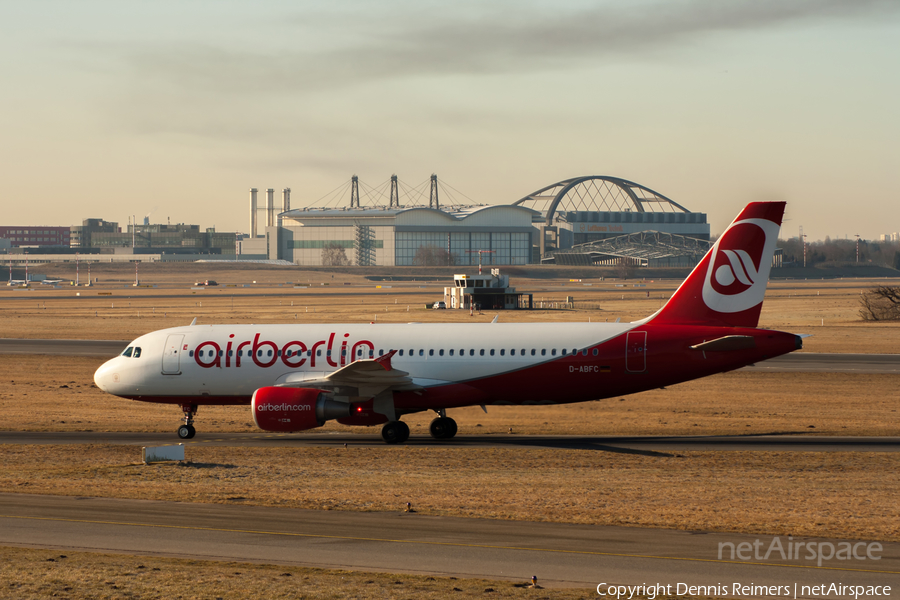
(128, 351)
(137, 352)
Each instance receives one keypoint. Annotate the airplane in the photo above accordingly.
(17, 282)
(295, 377)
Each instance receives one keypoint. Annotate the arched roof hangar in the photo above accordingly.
(598, 193)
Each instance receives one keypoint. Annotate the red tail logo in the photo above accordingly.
(739, 266)
(731, 279)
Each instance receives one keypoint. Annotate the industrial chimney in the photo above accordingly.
(285, 202)
(270, 207)
(253, 208)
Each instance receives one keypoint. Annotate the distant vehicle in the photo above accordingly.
(50, 281)
(438, 305)
(296, 377)
(208, 282)
(16, 282)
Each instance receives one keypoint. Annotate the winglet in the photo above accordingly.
(385, 360)
(495, 319)
(194, 322)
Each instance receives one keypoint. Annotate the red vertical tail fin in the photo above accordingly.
(727, 287)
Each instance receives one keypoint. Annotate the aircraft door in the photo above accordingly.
(171, 362)
(636, 351)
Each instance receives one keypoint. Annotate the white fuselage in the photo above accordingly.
(235, 360)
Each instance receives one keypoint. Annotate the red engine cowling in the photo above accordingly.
(287, 409)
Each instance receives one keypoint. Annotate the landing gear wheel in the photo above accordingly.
(395, 432)
(187, 430)
(442, 428)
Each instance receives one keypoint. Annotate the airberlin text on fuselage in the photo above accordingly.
(292, 354)
(282, 407)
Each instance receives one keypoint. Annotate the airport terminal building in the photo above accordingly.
(406, 236)
(589, 220)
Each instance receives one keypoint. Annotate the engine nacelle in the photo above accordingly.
(288, 409)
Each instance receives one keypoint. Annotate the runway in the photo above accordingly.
(108, 348)
(558, 554)
(617, 444)
(813, 362)
(808, 362)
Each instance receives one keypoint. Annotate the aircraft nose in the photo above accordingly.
(105, 375)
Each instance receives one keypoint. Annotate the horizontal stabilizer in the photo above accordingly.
(727, 343)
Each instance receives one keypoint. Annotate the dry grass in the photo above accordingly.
(27, 574)
(52, 393)
(828, 309)
(822, 494)
(830, 494)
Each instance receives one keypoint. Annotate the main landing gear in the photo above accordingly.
(443, 427)
(187, 430)
(395, 432)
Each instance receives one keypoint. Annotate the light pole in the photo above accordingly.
(803, 241)
(857, 247)
(479, 256)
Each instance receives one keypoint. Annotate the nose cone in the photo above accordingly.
(105, 376)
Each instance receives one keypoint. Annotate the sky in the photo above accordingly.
(112, 108)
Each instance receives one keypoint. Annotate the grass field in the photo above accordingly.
(113, 309)
(844, 495)
(830, 494)
(55, 393)
(28, 574)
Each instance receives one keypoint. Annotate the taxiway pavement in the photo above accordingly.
(622, 444)
(558, 554)
(107, 348)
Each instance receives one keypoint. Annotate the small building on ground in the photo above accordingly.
(485, 292)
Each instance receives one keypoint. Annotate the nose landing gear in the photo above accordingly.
(187, 430)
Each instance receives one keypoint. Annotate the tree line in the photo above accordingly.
(885, 254)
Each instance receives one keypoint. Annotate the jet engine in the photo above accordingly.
(288, 409)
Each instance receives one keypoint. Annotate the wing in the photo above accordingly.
(367, 377)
